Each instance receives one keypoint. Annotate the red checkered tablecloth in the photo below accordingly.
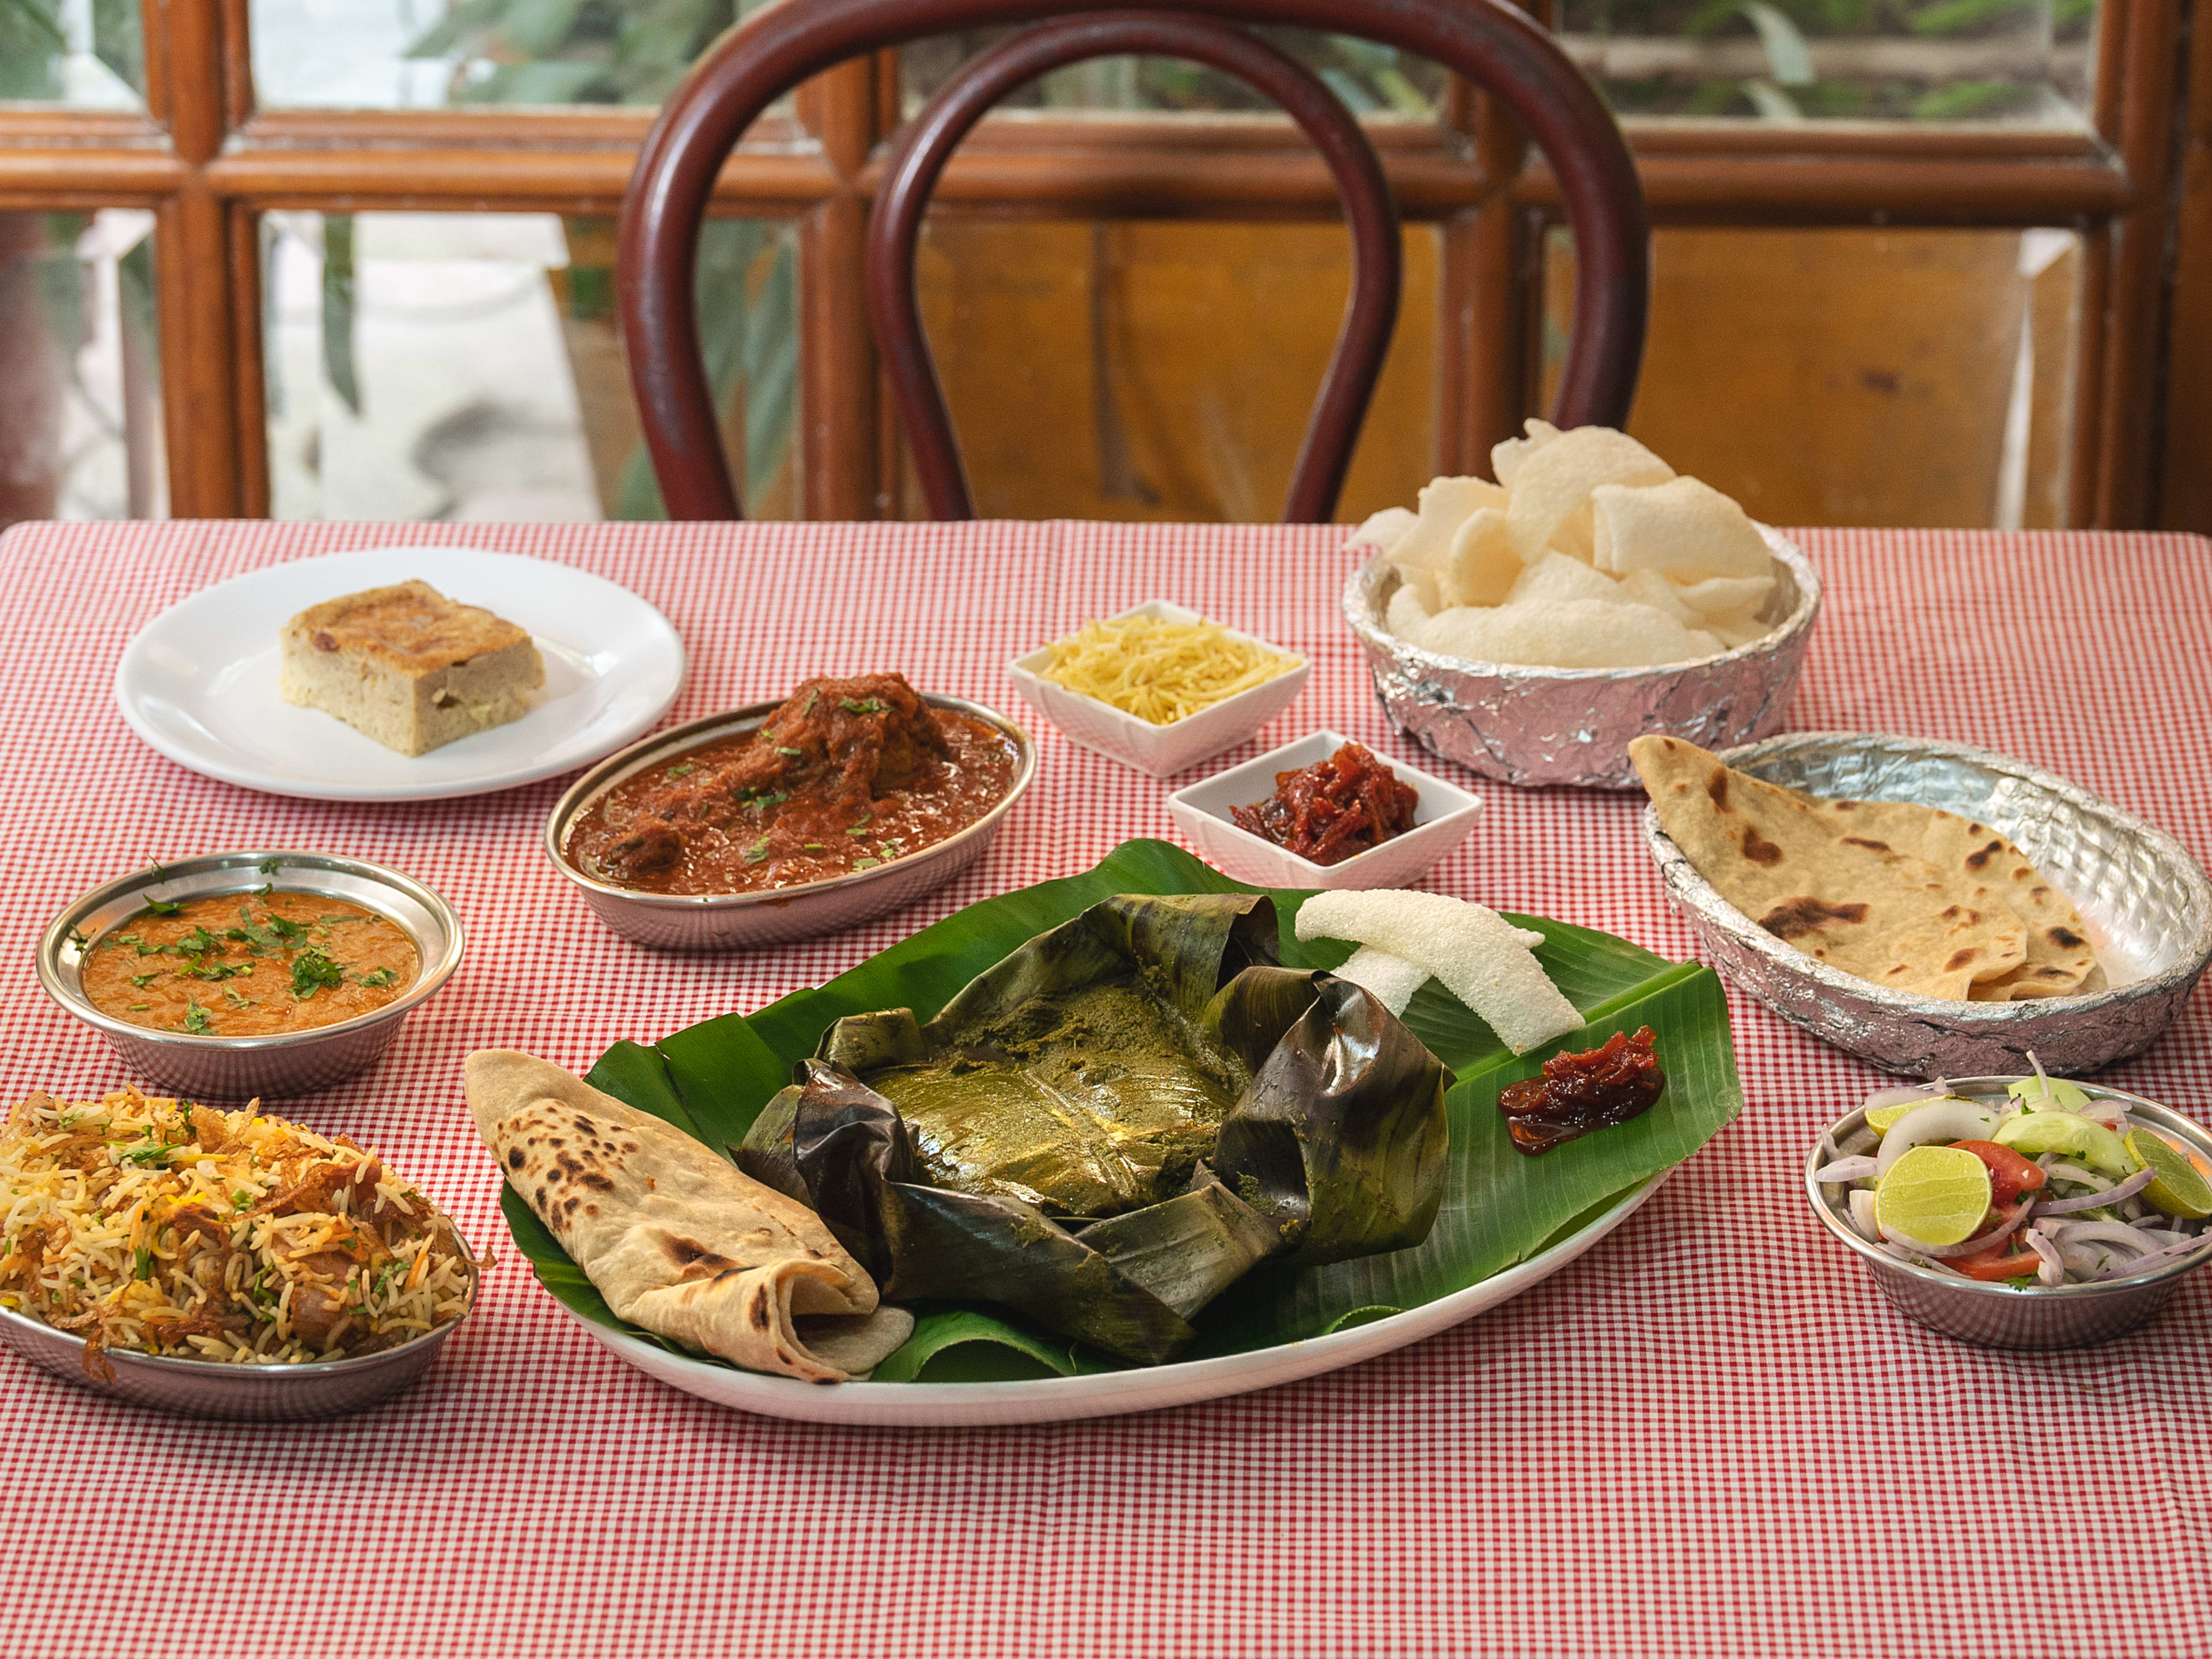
(1709, 1436)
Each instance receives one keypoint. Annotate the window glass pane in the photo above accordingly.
(2015, 62)
(1372, 80)
(1162, 370)
(466, 366)
(399, 54)
(89, 54)
(1859, 377)
(81, 425)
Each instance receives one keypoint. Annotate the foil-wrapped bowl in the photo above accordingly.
(771, 915)
(2147, 906)
(1999, 1316)
(257, 1394)
(1533, 726)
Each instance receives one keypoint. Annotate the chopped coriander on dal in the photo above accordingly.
(231, 964)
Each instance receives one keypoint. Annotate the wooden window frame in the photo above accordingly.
(208, 163)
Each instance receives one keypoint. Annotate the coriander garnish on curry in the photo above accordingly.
(259, 963)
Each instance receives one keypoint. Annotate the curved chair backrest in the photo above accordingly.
(1494, 46)
(919, 158)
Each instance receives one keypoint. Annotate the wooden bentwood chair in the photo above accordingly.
(1495, 47)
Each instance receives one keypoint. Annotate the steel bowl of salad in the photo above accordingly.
(2018, 1211)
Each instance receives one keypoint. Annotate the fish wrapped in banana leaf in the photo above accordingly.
(1116, 1123)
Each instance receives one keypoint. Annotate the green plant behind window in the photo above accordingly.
(575, 51)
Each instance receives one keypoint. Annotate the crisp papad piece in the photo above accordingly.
(1382, 530)
(1557, 578)
(1888, 917)
(2060, 958)
(1554, 481)
(1505, 457)
(1483, 959)
(676, 1239)
(1391, 980)
(1481, 567)
(1683, 524)
(1563, 633)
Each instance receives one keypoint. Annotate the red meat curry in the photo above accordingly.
(844, 776)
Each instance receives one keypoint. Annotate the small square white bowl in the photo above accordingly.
(1441, 819)
(1162, 751)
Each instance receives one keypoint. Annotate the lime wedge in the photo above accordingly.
(2175, 1186)
(1936, 1194)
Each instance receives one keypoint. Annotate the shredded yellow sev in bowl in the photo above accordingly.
(1159, 670)
(152, 1225)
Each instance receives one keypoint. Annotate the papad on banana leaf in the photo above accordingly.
(1113, 1124)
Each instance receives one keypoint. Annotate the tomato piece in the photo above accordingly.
(2010, 1175)
(1996, 1264)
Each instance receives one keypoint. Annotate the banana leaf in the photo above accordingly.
(1042, 1144)
(715, 1078)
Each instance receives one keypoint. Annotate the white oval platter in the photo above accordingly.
(1105, 1394)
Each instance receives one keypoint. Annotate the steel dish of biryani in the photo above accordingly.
(153, 1226)
(1111, 1135)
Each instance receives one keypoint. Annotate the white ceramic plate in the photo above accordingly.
(199, 682)
(1109, 1394)
(1443, 819)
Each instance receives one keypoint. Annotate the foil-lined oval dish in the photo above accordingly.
(1535, 726)
(2146, 903)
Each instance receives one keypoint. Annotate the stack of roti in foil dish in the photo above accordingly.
(1907, 897)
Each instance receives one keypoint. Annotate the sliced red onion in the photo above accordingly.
(1906, 1093)
(1844, 1169)
(1863, 1214)
(1918, 1258)
(1942, 1120)
(2109, 1195)
(2075, 1172)
(2086, 1260)
(1974, 1246)
(2159, 1258)
(2052, 1269)
(1859, 1141)
(2104, 1232)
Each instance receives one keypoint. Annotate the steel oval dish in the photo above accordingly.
(286, 1063)
(721, 921)
(198, 1387)
(2137, 888)
(1999, 1316)
(1534, 726)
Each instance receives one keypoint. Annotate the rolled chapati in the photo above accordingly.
(677, 1240)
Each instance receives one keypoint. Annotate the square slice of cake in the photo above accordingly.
(408, 667)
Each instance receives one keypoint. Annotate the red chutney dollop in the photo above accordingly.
(845, 775)
(1579, 1093)
(1335, 809)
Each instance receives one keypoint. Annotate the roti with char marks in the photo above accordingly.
(1855, 902)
